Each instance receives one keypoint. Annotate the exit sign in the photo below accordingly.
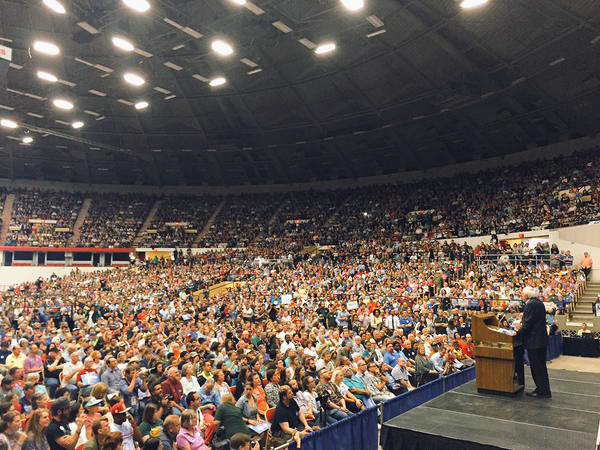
(5, 53)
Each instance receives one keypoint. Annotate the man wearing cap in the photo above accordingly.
(52, 369)
(121, 425)
(58, 432)
(535, 339)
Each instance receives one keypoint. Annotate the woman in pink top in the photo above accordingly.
(190, 436)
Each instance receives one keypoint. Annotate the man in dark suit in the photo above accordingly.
(535, 339)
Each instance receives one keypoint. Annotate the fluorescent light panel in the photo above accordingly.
(7, 108)
(221, 47)
(46, 47)
(375, 21)
(77, 124)
(281, 26)
(468, 4)
(376, 33)
(307, 43)
(55, 6)
(87, 27)
(133, 79)
(8, 123)
(353, 5)
(63, 104)
(98, 93)
(141, 105)
(325, 48)
(173, 66)
(140, 6)
(218, 81)
(252, 72)
(47, 76)
(249, 62)
(123, 44)
(161, 90)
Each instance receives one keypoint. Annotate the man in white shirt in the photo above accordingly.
(392, 322)
(122, 425)
(69, 373)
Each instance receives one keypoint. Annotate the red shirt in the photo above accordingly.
(172, 388)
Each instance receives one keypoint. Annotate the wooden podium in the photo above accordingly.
(494, 356)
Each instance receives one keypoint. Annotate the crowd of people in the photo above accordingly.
(535, 195)
(149, 356)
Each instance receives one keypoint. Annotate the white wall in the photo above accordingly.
(10, 276)
(578, 239)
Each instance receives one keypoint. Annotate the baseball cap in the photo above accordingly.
(119, 408)
(93, 402)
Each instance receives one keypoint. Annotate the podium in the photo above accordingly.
(496, 356)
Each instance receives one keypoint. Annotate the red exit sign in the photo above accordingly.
(5, 52)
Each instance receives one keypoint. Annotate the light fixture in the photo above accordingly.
(47, 76)
(353, 5)
(63, 104)
(27, 140)
(221, 47)
(239, 2)
(77, 124)
(141, 105)
(7, 123)
(48, 48)
(55, 6)
(137, 5)
(123, 44)
(327, 47)
(219, 81)
(133, 78)
(468, 4)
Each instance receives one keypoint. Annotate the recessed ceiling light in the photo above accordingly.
(123, 44)
(55, 6)
(27, 140)
(47, 76)
(141, 105)
(468, 4)
(353, 5)
(137, 5)
(7, 123)
(133, 78)
(48, 48)
(63, 104)
(77, 124)
(219, 81)
(221, 47)
(327, 47)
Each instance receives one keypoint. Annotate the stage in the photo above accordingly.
(465, 419)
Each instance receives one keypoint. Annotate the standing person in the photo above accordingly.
(586, 264)
(58, 432)
(535, 339)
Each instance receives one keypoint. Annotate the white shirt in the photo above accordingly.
(70, 368)
(126, 431)
(190, 385)
(392, 322)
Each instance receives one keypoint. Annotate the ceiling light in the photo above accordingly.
(133, 78)
(141, 105)
(221, 47)
(123, 44)
(239, 2)
(219, 81)
(55, 6)
(27, 140)
(46, 47)
(137, 5)
(77, 124)
(63, 104)
(468, 4)
(7, 123)
(353, 5)
(327, 47)
(47, 76)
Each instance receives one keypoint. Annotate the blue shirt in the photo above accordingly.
(391, 358)
(210, 398)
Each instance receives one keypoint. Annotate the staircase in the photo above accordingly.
(6, 216)
(583, 308)
(83, 213)
(209, 224)
(147, 223)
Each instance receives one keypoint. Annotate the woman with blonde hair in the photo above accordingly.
(36, 431)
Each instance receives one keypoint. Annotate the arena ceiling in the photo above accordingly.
(410, 85)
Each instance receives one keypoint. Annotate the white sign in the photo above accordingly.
(352, 305)
(5, 53)
(286, 299)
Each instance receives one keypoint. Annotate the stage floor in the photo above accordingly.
(463, 418)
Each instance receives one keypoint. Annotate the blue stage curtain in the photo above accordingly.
(554, 349)
(358, 432)
(458, 378)
(412, 399)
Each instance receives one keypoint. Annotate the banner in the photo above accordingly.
(14, 228)
(176, 224)
(151, 231)
(62, 230)
(352, 305)
(42, 221)
(191, 231)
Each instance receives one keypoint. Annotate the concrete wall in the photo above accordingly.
(10, 276)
